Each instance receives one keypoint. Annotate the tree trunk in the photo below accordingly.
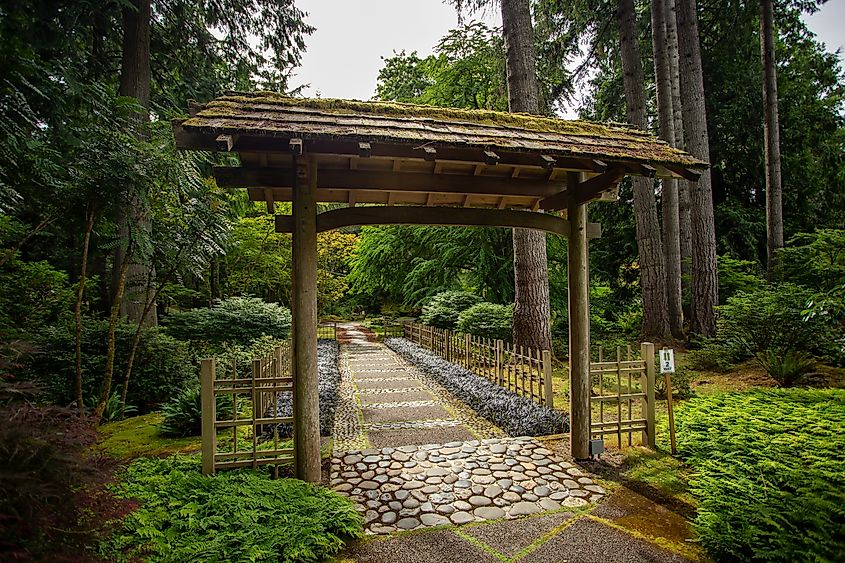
(77, 309)
(704, 290)
(652, 272)
(531, 274)
(114, 314)
(671, 215)
(135, 83)
(771, 126)
(671, 19)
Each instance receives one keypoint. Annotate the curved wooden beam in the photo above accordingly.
(448, 216)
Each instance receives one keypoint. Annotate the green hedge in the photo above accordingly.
(487, 320)
(240, 515)
(770, 473)
(443, 309)
(239, 320)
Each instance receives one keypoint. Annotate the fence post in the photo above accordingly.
(647, 353)
(209, 415)
(447, 341)
(499, 346)
(467, 340)
(548, 389)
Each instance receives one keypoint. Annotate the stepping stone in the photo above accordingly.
(524, 509)
(432, 519)
(479, 501)
(489, 512)
(461, 517)
(408, 523)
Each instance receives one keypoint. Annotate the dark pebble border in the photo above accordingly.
(516, 415)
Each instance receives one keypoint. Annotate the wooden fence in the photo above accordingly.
(327, 330)
(623, 395)
(250, 403)
(524, 371)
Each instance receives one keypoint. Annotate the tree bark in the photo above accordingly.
(652, 271)
(704, 290)
(678, 122)
(771, 130)
(671, 212)
(135, 77)
(531, 274)
(111, 344)
(77, 309)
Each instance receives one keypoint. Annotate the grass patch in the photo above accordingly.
(769, 473)
(660, 471)
(139, 436)
(239, 515)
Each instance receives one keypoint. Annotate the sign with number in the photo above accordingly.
(667, 360)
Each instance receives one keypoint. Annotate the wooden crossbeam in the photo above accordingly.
(225, 143)
(584, 191)
(491, 158)
(685, 173)
(448, 216)
(430, 153)
(247, 177)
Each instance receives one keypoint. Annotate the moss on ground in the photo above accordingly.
(139, 437)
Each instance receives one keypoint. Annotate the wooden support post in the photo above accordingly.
(647, 353)
(447, 345)
(467, 344)
(306, 402)
(579, 328)
(500, 345)
(548, 388)
(209, 415)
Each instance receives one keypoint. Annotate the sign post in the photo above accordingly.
(667, 368)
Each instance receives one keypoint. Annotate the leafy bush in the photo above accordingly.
(35, 294)
(815, 260)
(113, 411)
(240, 320)
(46, 470)
(769, 467)
(713, 356)
(240, 515)
(163, 365)
(516, 415)
(681, 388)
(738, 276)
(443, 309)
(183, 413)
(770, 324)
(329, 378)
(487, 320)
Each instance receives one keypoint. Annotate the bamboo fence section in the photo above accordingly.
(253, 401)
(623, 395)
(524, 371)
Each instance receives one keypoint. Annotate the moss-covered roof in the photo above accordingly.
(271, 114)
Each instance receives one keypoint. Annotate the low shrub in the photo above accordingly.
(516, 415)
(443, 309)
(770, 325)
(163, 365)
(487, 320)
(769, 467)
(239, 515)
(183, 413)
(681, 388)
(47, 477)
(329, 377)
(239, 320)
(711, 356)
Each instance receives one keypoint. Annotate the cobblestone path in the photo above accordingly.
(412, 455)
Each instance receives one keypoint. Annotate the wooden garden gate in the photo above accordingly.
(623, 395)
(248, 398)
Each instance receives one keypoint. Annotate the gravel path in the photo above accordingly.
(412, 455)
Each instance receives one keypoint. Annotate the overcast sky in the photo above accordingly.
(344, 53)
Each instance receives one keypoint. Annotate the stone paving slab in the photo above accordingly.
(388, 383)
(509, 537)
(368, 398)
(378, 373)
(433, 547)
(407, 487)
(384, 413)
(588, 541)
(417, 436)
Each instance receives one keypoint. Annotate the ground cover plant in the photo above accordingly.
(239, 515)
(516, 415)
(769, 473)
(329, 376)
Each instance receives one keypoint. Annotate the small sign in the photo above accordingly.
(667, 360)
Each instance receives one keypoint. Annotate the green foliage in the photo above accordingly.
(769, 468)
(163, 365)
(140, 436)
(487, 320)
(769, 324)
(681, 380)
(737, 276)
(183, 413)
(815, 260)
(113, 410)
(239, 320)
(443, 309)
(713, 356)
(239, 515)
